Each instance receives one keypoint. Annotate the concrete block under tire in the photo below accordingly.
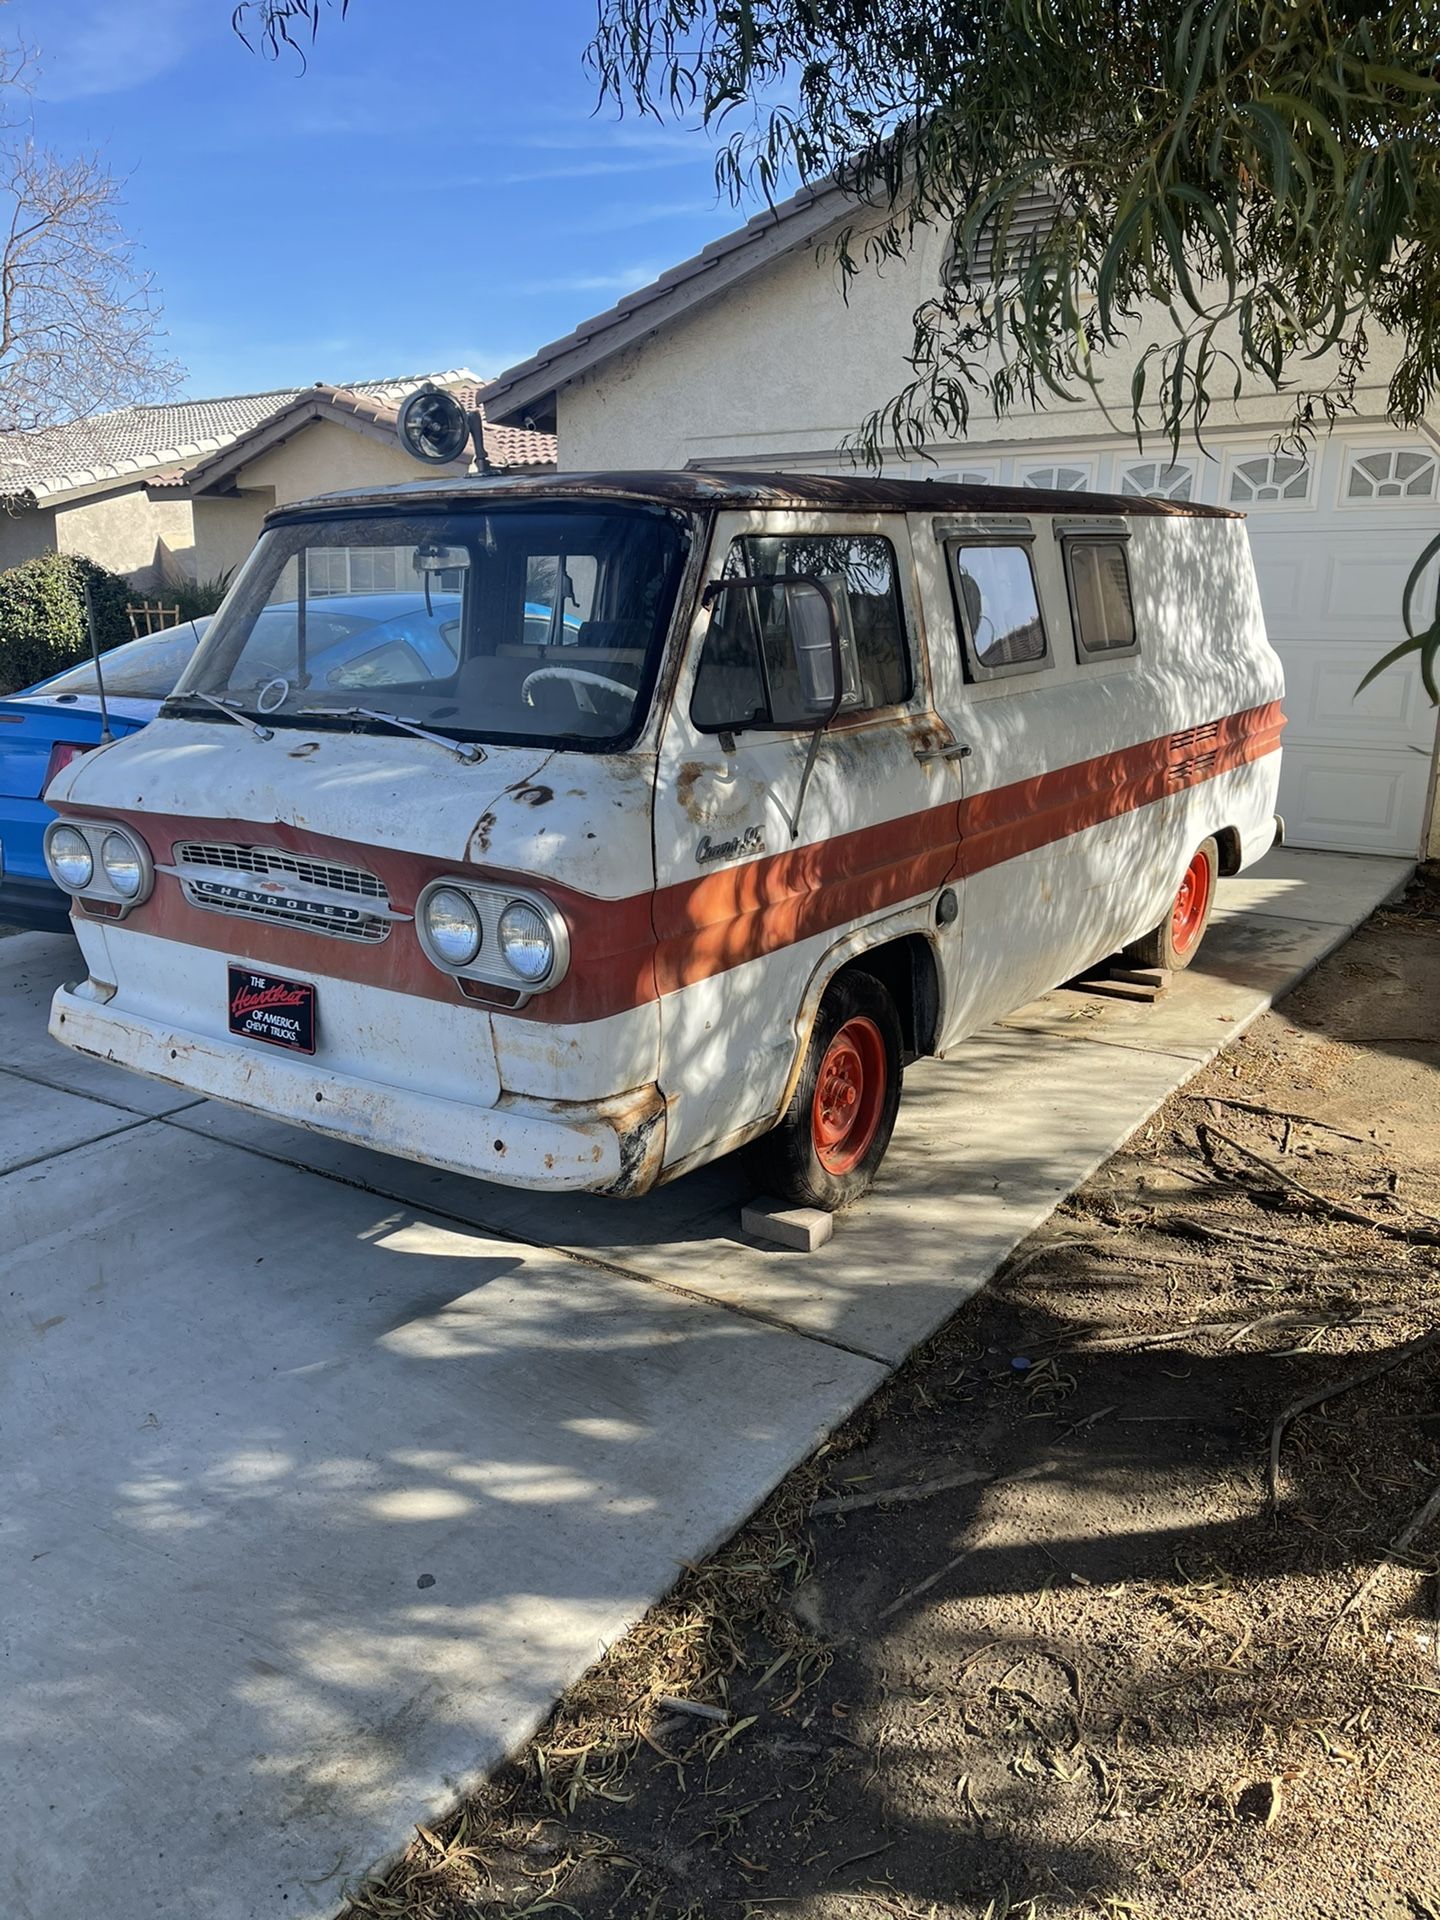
(803, 1229)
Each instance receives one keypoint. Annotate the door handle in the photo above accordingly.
(957, 750)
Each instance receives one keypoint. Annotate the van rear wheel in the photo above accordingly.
(1175, 942)
(828, 1145)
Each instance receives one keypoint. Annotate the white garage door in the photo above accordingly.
(1333, 541)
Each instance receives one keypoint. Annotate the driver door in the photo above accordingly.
(769, 856)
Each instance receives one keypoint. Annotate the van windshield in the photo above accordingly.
(490, 624)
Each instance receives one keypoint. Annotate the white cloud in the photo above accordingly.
(585, 168)
(108, 46)
(619, 218)
(621, 280)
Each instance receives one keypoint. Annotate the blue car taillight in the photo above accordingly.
(61, 754)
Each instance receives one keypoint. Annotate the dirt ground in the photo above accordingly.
(1049, 1644)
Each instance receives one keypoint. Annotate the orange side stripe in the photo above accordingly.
(630, 951)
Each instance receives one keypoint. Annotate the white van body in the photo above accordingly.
(1002, 799)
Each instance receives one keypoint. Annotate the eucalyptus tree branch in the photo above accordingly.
(1263, 175)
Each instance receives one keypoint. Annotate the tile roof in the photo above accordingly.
(512, 448)
(509, 446)
(156, 440)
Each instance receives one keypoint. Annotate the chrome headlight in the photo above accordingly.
(452, 926)
(526, 942)
(517, 941)
(68, 856)
(123, 864)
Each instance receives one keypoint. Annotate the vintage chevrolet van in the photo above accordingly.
(680, 813)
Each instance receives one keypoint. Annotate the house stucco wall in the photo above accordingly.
(24, 533)
(320, 457)
(785, 364)
(123, 530)
(325, 458)
(226, 528)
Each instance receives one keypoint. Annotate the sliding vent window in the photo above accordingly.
(995, 592)
(1100, 595)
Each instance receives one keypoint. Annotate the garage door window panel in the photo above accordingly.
(1159, 480)
(1269, 480)
(1061, 477)
(1398, 473)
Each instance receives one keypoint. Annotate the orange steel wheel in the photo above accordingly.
(1192, 904)
(849, 1095)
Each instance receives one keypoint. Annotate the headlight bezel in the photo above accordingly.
(433, 940)
(66, 831)
(489, 965)
(99, 888)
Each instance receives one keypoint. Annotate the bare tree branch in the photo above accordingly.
(78, 319)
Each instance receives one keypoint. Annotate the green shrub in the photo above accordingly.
(42, 615)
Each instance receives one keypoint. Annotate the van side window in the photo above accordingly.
(1002, 626)
(1099, 577)
(751, 642)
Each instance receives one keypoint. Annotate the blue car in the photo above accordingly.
(363, 641)
(43, 728)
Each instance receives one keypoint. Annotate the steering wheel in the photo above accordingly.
(576, 678)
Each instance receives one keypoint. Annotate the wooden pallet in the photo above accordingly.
(1117, 982)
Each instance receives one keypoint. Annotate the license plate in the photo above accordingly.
(279, 1012)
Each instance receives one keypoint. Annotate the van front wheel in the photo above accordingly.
(827, 1147)
(1175, 942)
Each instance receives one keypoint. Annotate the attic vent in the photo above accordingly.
(1033, 216)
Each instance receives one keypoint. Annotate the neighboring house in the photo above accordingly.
(120, 487)
(321, 441)
(747, 355)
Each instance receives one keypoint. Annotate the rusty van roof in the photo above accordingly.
(719, 487)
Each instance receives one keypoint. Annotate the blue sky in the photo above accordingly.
(432, 192)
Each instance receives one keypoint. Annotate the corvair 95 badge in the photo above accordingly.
(752, 840)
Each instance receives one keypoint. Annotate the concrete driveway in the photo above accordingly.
(324, 1474)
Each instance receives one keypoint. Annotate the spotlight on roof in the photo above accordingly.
(433, 426)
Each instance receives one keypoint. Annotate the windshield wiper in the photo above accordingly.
(233, 711)
(464, 750)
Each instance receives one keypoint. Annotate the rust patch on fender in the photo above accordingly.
(640, 1132)
(480, 838)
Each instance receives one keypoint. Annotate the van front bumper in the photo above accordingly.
(610, 1146)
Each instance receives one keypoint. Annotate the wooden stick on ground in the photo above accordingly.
(1384, 1365)
(1338, 1208)
(672, 1704)
(1276, 1113)
(922, 1489)
(1403, 1541)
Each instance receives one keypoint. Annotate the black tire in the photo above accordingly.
(1176, 941)
(791, 1160)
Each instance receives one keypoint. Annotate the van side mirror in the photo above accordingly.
(772, 657)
